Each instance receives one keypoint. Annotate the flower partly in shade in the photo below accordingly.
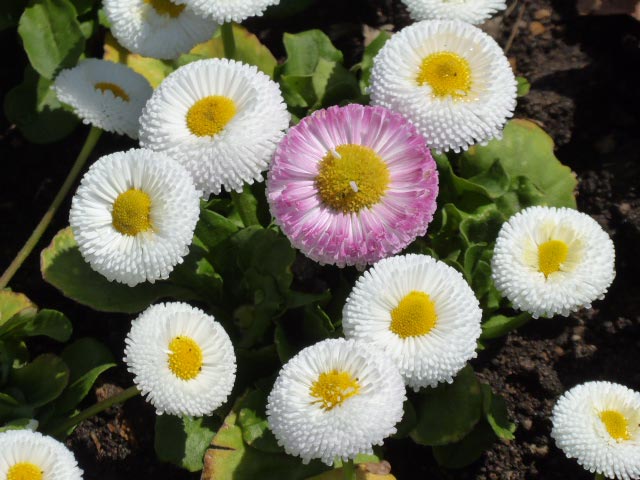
(134, 214)
(104, 94)
(335, 399)
(450, 79)
(418, 310)
(27, 455)
(470, 11)
(181, 359)
(351, 185)
(222, 11)
(157, 28)
(219, 118)
(552, 261)
(598, 423)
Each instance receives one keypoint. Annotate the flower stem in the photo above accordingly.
(244, 205)
(121, 397)
(27, 248)
(348, 470)
(229, 43)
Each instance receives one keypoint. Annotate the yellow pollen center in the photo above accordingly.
(414, 316)
(551, 256)
(130, 215)
(166, 7)
(332, 388)
(185, 359)
(352, 177)
(616, 424)
(209, 115)
(113, 88)
(447, 73)
(24, 471)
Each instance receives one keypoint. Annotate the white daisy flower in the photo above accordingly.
(550, 261)
(157, 28)
(470, 11)
(450, 79)
(223, 11)
(134, 214)
(336, 398)
(27, 455)
(598, 423)
(104, 94)
(182, 359)
(421, 312)
(220, 118)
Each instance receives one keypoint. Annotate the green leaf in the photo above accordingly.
(295, 332)
(370, 52)
(63, 267)
(496, 414)
(50, 323)
(467, 450)
(499, 325)
(523, 86)
(83, 6)
(183, 440)
(19, 424)
(42, 380)
(447, 413)
(12, 303)
(86, 358)
(252, 419)
(36, 111)
(51, 36)
(305, 49)
(10, 11)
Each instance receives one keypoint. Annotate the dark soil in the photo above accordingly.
(584, 75)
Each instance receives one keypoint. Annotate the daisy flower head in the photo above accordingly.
(351, 185)
(223, 11)
(598, 423)
(157, 28)
(419, 311)
(107, 95)
(27, 455)
(133, 216)
(219, 118)
(552, 261)
(181, 359)
(470, 11)
(450, 79)
(336, 398)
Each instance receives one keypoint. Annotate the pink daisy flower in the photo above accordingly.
(351, 185)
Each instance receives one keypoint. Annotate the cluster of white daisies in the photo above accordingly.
(349, 185)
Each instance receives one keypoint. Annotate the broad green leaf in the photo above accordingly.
(183, 440)
(51, 36)
(305, 49)
(42, 380)
(50, 323)
(20, 424)
(252, 420)
(408, 422)
(525, 150)
(499, 325)
(152, 69)
(84, 6)
(447, 413)
(86, 358)
(523, 86)
(300, 329)
(496, 414)
(467, 450)
(36, 111)
(370, 52)
(63, 267)
(10, 11)
(12, 303)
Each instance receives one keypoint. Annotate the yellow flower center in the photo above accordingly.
(185, 359)
(166, 7)
(414, 316)
(130, 215)
(448, 75)
(616, 424)
(209, 115)
(351, 178)
(24, 471)
(113, 88)
(551, 256)
(332, 388)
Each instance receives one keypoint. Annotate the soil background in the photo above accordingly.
(585, 78)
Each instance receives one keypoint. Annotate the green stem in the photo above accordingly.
(27, 248)
(348, 470)
(229, 43)
(245, 206)
(93, 410)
